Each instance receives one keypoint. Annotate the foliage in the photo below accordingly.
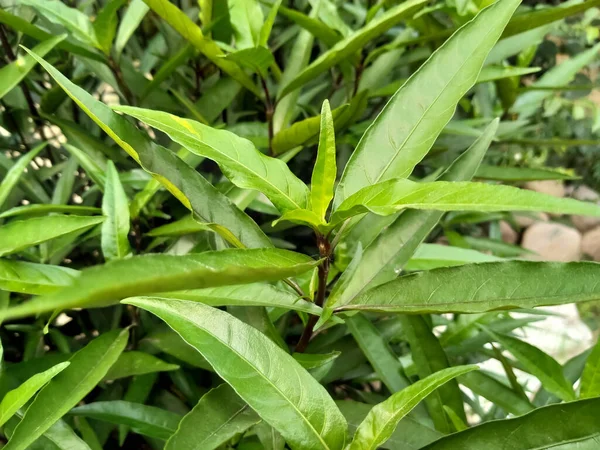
(218, 223)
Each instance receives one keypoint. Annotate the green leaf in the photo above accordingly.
(325, 170)
(17, 398)
(385, 257)
(192, 33)
(353, 43)
(529, 102)
(521, 174)
(538, 363)
(384, 361)
(14, 173)
(492, 73)
(590, 380)
(306, 415)
(42, 210)
(21, 234)
(483, 287)
(430, 358)
(313, 28)
(382, 420)
(257, 59)
(566, 426)
(239, 160)
(265, 30)
(434, 256)
(72, 19)
(168, 341)
(59, 436)
(149, 274)
(12, 74)
(407, 127)
(185, 183)
(146, 420)
(115, 206)
(246, 18)
(132, 18)
(315, 360)
(31, 278)
(390, 196)
(137, 363)
(105, 25)
(219, 416)
(496, 392)
(257, 294)
(87, 367)
(168, 68)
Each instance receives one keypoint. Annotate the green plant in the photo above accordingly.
(194, 306)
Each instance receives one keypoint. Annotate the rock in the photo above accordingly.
(585, 194)
(590, 245)
(525, 220)
(552, 242)
(551, 187)
(508, 234)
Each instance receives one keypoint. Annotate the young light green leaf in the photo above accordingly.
(21, 234)
(483, 287)
(137, 363)
(492, 73)
(105, 25)
(115, 206)
(538, 363)
(590, 380)
(146, 420)
(87, 367)
(385, 255)
(15, 172)
(306, 415)
(382, 420)
(567, 425)
(430, 358)
(72, 19)
(325, 170)
(354, 42)
(219, 415)
(246, 18)
(267, 26)
(384, 361)
(15, 399)
(42, 210)
(12, 74)
(132, 18)
(185, 183)
(149, 274)
(192, 33)
(401, 135)
(504, 173)
(166, 340)
(239, 160)
(257, 294)
(31, 278)
(434, 256)
(257, 59)
(390, 196)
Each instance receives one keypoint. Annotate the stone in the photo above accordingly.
(585, 194)
(552, 242)
(508, 234)
(525, 220)
(590, 245)
(555, 188)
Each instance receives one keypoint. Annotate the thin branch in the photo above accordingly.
(269, 111)
(116, 70)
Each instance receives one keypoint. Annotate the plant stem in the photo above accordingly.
(269, 111)
(325, 253)
(116, 70)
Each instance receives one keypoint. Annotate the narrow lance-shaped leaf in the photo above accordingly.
(105, 25)
(179, 178)
(391, 196)
(146, 420)
(246, 19)
(32, 278)
(42, 210)
(353, 43)
(12, 177)
(304, 414)
(135, 363)
(325, 170)
(434, 256)
(504, 173)
(382, 420)
(12, 74)
(477, 288)
(568, 425)
(265, 30)
(15, 399)
(148, 274)
(240, 161)
(219, 415)
(590, 380)
(21, 234)
(65, 390)
(407, 127)
(132, 18)
(115, 206)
